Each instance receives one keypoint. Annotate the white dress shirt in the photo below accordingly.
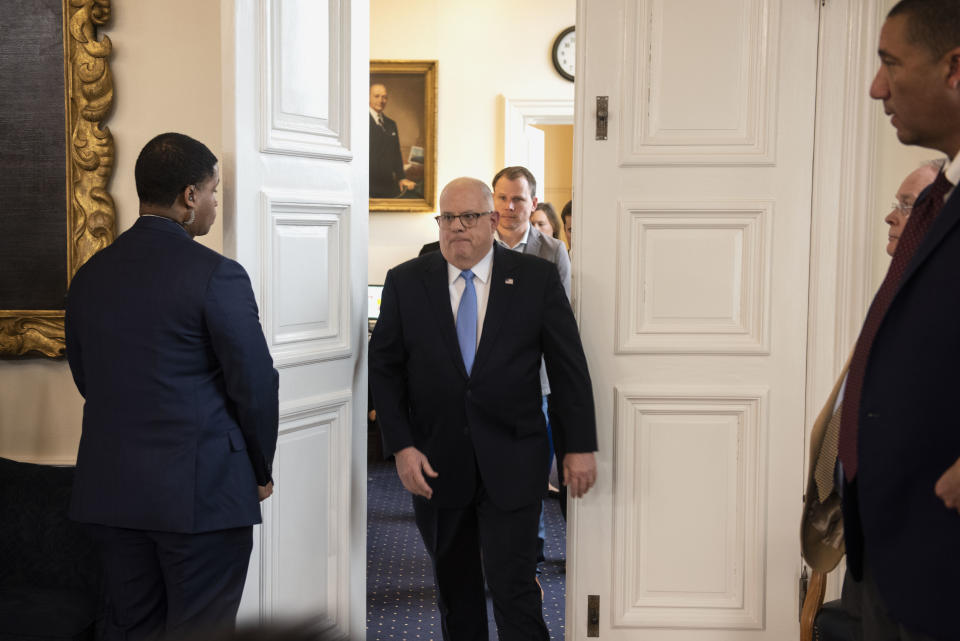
(376, 115)
(481, 284)
(952, 172)
(519, 247)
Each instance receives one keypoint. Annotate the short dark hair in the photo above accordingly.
(567, 211)
(513, 173)
(931, 24)
(170, 163)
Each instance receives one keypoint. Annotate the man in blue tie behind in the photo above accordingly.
(180, 414)
(455, 373)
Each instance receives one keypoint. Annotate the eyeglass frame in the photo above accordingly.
(473, 215)
(903, 210)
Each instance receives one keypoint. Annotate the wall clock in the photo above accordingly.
(565, 53)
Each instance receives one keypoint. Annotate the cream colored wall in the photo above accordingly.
(166, 75)
(558, 165)
(485, 50)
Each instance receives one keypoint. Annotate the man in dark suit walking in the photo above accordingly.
(454, 367)
(899, 442)
(180, 414)
(515, 199)
(387, 177)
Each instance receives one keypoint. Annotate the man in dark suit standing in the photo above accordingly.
(180, 414)
(454, 367)
(387, 177)
(899, 441)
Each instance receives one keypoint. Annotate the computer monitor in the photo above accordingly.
(374, 293)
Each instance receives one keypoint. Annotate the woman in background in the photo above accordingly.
(546, 220)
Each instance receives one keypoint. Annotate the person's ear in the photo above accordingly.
(190, 196)
(535, 202)
(953, 75)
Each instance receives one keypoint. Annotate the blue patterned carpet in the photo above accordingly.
(401, 603)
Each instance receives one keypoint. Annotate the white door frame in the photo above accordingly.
(519, 113)
(844, 224)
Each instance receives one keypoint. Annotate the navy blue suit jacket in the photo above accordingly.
(909, 434)
(180, 413)
(492, 419)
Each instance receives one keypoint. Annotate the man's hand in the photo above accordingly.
(579, 472)
(264, 491)
(406, 185)
(948, 487)
(411, 466)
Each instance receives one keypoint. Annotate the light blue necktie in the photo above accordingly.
(467, 321)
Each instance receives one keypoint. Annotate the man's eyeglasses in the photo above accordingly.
(903, 210)
(468, 219)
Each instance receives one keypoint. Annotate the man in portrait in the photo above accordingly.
(387, 177)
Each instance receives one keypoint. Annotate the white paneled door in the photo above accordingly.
(295, 167)
(691, 244)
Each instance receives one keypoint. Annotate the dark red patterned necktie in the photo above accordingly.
(917, 225)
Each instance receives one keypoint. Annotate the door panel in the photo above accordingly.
(695, 327)
(297, 163)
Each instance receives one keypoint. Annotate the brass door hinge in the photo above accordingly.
(593, 615)
(603, 113)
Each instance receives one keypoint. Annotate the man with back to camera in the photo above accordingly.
(180, 414)
(454, 367)
(387, 177)
(899, 444)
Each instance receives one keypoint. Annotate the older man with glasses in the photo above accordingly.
(454, 368)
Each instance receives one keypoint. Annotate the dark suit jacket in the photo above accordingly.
(908, 435)
(386, 161)
(424, 397)
(430, 247)
(180, 412)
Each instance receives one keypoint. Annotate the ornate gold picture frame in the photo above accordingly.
(89, 154)
(403, 144)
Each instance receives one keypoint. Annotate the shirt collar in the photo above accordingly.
(952, 170)
(481, 271)
(374, 114)
(149, 220)
(522, 243)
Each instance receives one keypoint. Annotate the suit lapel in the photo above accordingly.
(438, 292)
(499, 300)
(533, 242)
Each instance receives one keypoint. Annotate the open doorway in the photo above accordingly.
(401, 599)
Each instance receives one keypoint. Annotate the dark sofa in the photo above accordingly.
(50, 581)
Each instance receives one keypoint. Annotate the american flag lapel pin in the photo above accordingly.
(509, 281)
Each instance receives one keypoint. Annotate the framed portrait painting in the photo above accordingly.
(403, 135)
(55, 164)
